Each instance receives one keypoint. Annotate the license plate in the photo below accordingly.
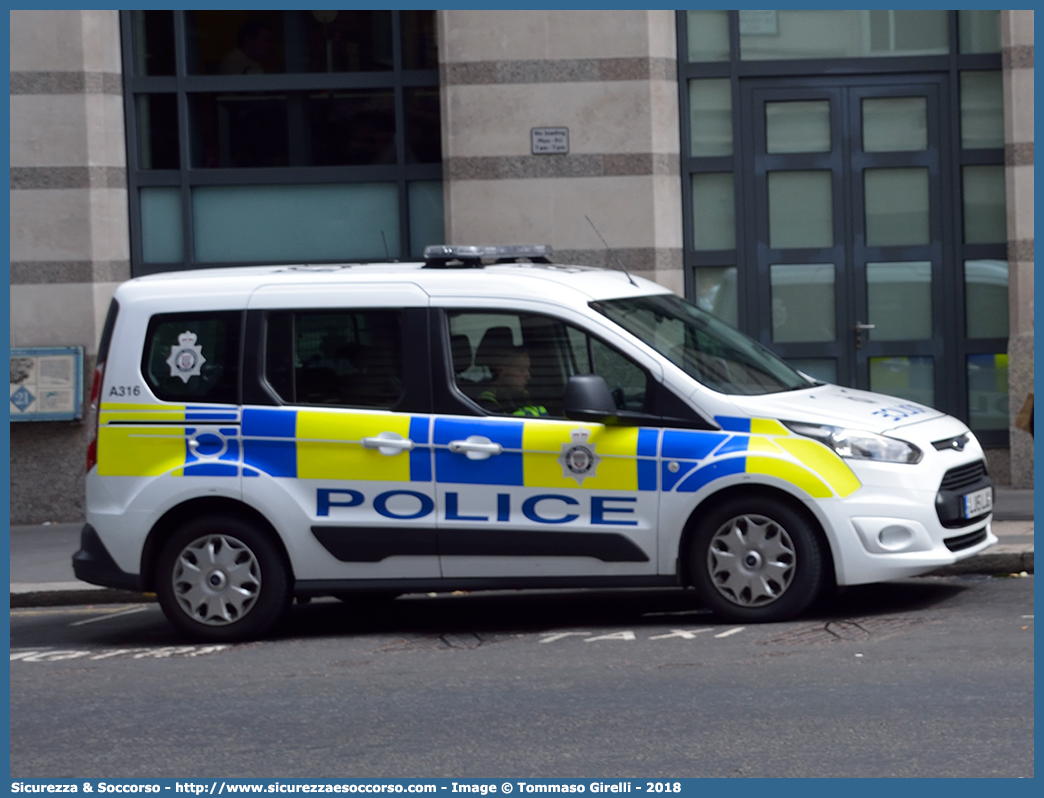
(977, 503)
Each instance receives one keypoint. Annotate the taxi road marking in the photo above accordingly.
(627, 634)
(682, 633)
(732, 632)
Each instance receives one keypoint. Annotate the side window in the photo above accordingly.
(519, 363)
(194, 356)
(627, 381)
(348, 358)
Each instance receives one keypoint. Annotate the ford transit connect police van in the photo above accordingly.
(488, 419)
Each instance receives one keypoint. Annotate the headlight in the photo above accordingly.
(858, 444)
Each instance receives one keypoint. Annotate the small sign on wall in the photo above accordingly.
(46, 383)
(549, 140)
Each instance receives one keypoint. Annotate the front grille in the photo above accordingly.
(957, 479)
(965, 541)
(958, 482)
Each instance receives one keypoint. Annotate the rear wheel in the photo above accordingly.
(222, 579)
(756, 560)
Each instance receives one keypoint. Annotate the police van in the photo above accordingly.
(489, 419)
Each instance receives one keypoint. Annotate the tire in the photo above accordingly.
(755, 561)
(221, 579)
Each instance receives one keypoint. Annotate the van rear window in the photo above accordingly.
(348, 358)
(194, 356)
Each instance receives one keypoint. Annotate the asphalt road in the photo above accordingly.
(929, 677)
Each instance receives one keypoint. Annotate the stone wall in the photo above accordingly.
(1017, 53)
(69, 226)
(611, 79)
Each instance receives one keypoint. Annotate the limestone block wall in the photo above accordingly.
(1017, 54)
(70, 243)
(611, 79)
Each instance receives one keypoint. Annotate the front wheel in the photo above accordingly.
(756, 561)
(221, 579)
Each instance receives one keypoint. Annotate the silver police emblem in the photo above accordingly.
(579, 459)
(186, 357)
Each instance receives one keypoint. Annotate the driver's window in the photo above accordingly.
(518, 364)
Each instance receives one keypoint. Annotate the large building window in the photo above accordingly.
(844, 193)
(281, 136)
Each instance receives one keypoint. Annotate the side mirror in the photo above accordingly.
(587, 398)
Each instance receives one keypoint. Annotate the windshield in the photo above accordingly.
(707, 349)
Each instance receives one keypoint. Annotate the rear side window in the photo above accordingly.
(194, 356)
(346, 358)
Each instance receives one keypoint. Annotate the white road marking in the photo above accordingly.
(1027, 616)
(158, 652)
(19, 613)
(683, 633)
(731, 632)
(108, 615)
(628, 635)
(560, 635)
(47, 656)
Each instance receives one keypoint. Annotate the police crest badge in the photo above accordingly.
(186, 357)
(579, 459)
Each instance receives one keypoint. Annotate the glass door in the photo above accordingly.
(845, 229)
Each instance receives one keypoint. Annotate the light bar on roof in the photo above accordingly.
(468, 252)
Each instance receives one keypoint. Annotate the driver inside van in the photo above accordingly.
(506, 393)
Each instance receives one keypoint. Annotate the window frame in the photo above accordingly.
(662, 407)
(186, 178)
(416, 379)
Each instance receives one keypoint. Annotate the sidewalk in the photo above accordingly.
(41, 557)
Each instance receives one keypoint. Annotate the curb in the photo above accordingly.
(996, 563)
(61, 598)
(992, 563)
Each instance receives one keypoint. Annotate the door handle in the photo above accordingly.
(476, 447)
(388, 443)
(860, 328)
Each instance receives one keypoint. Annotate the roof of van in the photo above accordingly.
(533, 280)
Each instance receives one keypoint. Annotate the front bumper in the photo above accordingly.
(893, 533)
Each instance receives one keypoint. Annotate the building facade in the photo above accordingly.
(853, 188)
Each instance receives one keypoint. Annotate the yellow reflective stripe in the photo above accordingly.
(767, 426)
(328, 446)
(126, 451)
(616, 446)
(791, 472)
(114, 411)
(824, 462)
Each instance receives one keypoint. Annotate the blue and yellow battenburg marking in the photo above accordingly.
(326, 444)
(752, 446)
(531, 452)
(147, 440)
(311, 444)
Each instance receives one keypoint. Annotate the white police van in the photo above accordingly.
(487, 419)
